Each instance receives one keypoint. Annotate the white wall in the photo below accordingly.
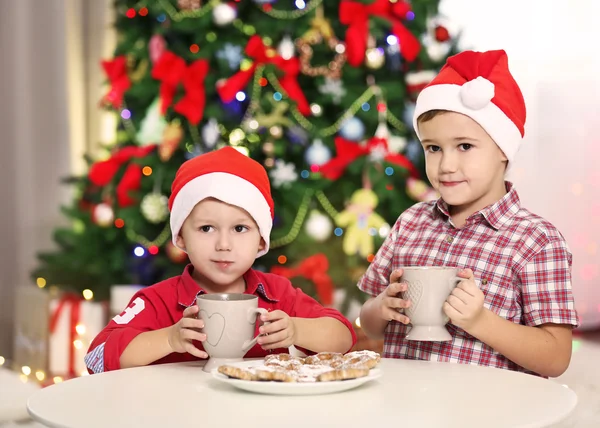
(553, 52)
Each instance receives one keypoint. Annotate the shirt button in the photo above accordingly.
(484, 281)
(449, 239)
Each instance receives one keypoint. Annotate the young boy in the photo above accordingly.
(221, 215)
(514, 309)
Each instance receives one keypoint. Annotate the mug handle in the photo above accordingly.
(252, 314)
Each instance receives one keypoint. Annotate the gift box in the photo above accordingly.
(73, 323)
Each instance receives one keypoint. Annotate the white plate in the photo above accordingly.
(295, 388)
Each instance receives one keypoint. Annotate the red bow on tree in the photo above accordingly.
(313, 268)
(172, 70)
(116, 71)
(356, 16)
(101, 173)
(290, 68)
(348, 151)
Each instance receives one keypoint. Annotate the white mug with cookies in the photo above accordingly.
(229, 325)
(428, 287)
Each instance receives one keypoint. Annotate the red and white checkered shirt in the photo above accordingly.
(521, 263)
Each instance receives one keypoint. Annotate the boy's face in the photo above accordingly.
(462, 162)
(222, 242)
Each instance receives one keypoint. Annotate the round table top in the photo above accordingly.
(413, 393)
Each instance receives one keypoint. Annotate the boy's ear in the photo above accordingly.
(262, 245)
(180, 242)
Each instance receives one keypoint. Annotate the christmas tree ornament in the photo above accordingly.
(172, 136)
(318, 153)
(286, 48)
(175, 254)
(156, 47)
(420, 191)
(224, 14)
(316, 110)
(189, 4)
(375, 58)
(211, 133)
(152, 126)
(321, 31)
(334, 88)
(353, 129)
(276, 131)
(103, 215)
(297, 135)
(441, 34)
(438, 38)
(416, 81)
(318, 226)
(232, 54)
(283, 174)
(359, 218)
(155, 207)
(268, 148)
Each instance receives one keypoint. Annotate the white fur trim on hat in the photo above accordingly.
(228, 188)
(472, 99)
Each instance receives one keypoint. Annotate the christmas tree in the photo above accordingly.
(321, 93)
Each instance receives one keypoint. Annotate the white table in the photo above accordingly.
(408, 394)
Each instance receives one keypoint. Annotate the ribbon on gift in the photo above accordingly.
(171, 70)
(356, 16)
(262, 55)
(313, 268)
(348, 151)
(101, 173)
(74, 301)
(116, 71)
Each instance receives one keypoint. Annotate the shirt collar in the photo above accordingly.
(188, 289)
(496, 214)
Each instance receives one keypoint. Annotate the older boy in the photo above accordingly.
(514, 309)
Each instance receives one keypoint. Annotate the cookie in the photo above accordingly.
(236, 373)
(368, 359)
(343, 374)
(265, 373)
(331, 359)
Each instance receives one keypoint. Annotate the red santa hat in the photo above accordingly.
(226, 175)
(479, 85)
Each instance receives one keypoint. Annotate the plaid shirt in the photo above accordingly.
(521, 263)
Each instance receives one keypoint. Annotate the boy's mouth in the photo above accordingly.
(223, 264)
(450, 183)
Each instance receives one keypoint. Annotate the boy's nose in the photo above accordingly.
(223, 243)
(449, 163)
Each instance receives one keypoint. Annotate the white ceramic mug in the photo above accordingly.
(229, 325)
(428, 287)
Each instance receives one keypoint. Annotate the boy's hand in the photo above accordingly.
(182, 333)
(279, 333)
(464, 306)
(389, 301)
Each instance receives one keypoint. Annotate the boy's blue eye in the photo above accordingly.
(466, 146)
(240, 228)
(205, 229)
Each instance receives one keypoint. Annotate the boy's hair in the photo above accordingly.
(228, 176)
(429, 115)
(480, 86)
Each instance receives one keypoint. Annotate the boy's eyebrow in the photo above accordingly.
(429, 141)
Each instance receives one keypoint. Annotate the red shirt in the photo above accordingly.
(521, 262)
(162, 305)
